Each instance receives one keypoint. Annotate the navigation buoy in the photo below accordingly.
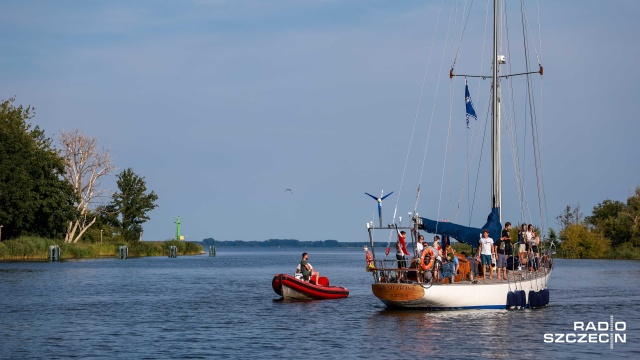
(54, 253)
(123, 251)
(173, 251)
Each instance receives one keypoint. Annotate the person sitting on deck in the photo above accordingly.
(307, 270)
(450, 267)
(426, 262)
(473, 266)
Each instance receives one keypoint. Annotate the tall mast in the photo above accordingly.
(496, 179)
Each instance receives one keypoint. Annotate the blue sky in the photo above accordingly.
(222, 105)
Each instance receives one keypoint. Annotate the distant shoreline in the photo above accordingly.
(334, 244)
(287, 243)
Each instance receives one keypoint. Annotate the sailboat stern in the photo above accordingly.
(397, 294)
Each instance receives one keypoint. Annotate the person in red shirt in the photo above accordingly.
(402, 235)
(369, 258)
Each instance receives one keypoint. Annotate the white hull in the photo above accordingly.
(490, 295)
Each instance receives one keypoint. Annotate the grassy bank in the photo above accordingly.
(36, 248)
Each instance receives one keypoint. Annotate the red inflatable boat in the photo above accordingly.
(290, 287)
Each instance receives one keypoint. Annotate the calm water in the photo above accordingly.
(224, 307)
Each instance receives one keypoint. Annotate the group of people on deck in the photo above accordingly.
(490, 254)
(446, 264)
(528, 242)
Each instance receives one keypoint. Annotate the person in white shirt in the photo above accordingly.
(419, 246)
(529, 236)
(485, 250)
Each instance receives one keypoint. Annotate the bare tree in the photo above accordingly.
(570, 217)
(85, 164)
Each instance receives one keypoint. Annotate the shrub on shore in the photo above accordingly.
(624, 252)
(37, 248)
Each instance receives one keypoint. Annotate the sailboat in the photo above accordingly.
(418, 286)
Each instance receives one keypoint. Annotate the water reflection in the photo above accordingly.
(457, 333)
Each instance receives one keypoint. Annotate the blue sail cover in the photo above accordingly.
(465, 234)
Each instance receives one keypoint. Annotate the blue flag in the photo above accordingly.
(467, 99)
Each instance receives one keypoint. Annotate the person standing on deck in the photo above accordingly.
(522, 248)
(402, 262)
(485, 250)
(528, 238)
(436, 245)
(419, 246)
(402, 236)
(533, 252)
(456, 264)
(437, 251)
(369, 258)
(503, 248)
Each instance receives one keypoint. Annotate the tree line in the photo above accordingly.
(55, 192)
(611, 231)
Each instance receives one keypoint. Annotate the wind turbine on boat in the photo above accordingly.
(379, 200)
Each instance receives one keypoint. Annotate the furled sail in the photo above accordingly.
(465, 234)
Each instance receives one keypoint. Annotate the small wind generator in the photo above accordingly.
(379, 200)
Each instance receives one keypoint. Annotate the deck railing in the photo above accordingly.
(469, 270)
